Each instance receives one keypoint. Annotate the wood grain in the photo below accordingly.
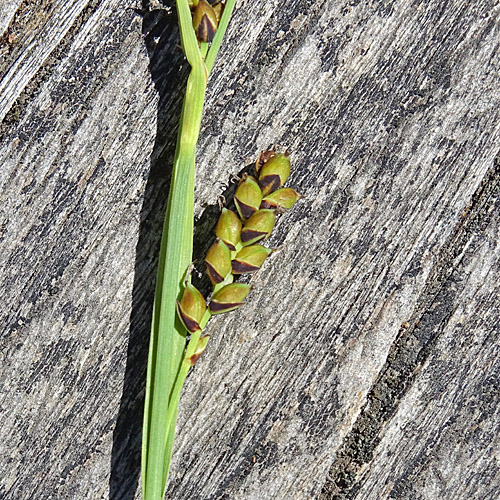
(364, 363)
(443, 439)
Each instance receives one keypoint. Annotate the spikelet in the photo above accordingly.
(191, 308)
(205, 21)
(229, 228)
(250, 259)
(218, 262)
(248, 197)
(274, 173)
(229, 298)
(258, 227)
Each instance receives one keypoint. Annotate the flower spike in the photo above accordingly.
(200, 348)
(247, 197)
(264, 157)
(274, 173)
(218, 262)
(229, 228)
(205, 21)
(284, 198)
(250, 259)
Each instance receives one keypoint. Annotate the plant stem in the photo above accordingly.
(219, 35)
(186, 365)
(168, 336)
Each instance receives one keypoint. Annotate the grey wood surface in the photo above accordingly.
(365, 363)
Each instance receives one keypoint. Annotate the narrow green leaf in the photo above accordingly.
(219, 35)
(166, 372)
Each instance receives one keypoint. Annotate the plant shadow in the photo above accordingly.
(169, 72)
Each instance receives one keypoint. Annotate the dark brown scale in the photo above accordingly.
(270, 183)
(217, 307)
(266, 204)
(229, 245)
(239, 267)
(247, 235)
(194, 358)
(206, 30)
(214, 275)
(245, 210)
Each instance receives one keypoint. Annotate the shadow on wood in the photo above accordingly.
(168, 73)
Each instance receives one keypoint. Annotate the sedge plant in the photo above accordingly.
(201, 42)
(179, 308)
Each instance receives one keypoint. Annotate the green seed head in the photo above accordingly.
(191, 308)
(284, 198)
(229, 228)
(205, 21)
(274, 173)
(218, 262)
(258, 227)
(247, 197)
(229, 298)
(250, 259)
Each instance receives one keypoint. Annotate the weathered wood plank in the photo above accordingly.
(443, 440)
(37, 31)
(7, 11)
(72, 177)
(391, 112)
(387, 171)
(451, 287)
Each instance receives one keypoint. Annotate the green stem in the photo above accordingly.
(169, 337)
(186, 365)
(219, 35)
(166, 352)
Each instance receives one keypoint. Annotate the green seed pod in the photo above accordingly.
(205, 21)
(284, 198)
(258, 227)
(218, 262)
(229, 298)
(247, 197)
(274, 173)
(191, 308)
(264, 157)
(192, 3)
(250, 259)
(229, 228)
(200, 348)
